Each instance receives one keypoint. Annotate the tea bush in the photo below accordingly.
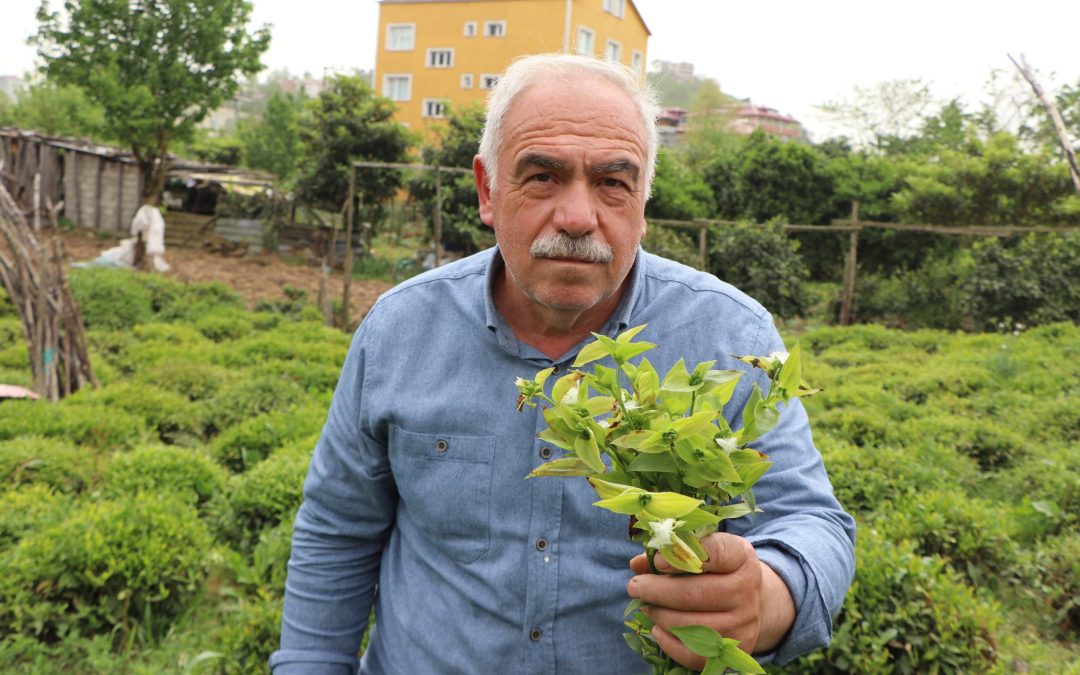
(26, 509)
(243, 445)
(173, 417)
(194, 380)
(189, 474)
(990, 443)
(265, 496)
(110, 298)
(250, 632)
(245, 398)
(224, 325)
(906, 613)
(112, 567)
(93, 426)
(52, 462)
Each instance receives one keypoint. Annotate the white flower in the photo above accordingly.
(570, 397)
(779, 357)
(662, 532)
(727, 444)
(520, 382)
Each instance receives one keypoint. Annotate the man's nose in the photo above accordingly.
(576, 212)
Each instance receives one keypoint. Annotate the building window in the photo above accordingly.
(494, 28)
(466, 81)
(435, 107)
(487, 81)
(637, 60)
(440, 58)
(613, 52)
(397, 87)
(586, 41)
(400, 37)
(616, 7)
(470, 29)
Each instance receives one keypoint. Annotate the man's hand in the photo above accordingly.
(736, 594)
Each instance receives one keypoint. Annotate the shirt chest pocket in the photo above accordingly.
(444, 484)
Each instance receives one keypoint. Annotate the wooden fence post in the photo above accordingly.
(850, 263)
(703, 245)
(350, 212)
(437, 223)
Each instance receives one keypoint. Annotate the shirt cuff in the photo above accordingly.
(812, 627)
(303, 662)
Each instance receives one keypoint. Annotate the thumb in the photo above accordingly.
(727, 552)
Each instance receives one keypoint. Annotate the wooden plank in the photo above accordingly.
(120, 197)
(73, 199)
(97, 193)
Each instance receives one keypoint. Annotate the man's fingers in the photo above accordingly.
(727, 553)
(689, 592)
(674, 648)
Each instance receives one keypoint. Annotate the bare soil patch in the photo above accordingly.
(255, 277)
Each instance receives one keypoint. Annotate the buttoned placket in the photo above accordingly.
(543, 554)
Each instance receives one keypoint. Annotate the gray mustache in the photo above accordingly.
(562, 245)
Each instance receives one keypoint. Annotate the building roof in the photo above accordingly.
(417, 2)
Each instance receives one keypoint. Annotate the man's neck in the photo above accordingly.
(552, 331)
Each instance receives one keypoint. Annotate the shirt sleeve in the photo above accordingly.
(341, 528)
(802, 533)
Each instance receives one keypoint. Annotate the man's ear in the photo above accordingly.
(483, 190)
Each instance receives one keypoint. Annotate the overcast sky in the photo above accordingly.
(786, 54)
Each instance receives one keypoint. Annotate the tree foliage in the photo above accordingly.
(156, 67)
(56, 110)
(347, 123)
(270, 142)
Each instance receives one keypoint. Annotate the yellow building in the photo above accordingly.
(434, 52)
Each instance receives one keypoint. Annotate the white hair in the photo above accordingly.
(526, 71)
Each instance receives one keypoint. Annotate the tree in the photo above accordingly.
(55, 110)
(883, 115)
(779, 179)
(455, 145)
(347, 123)
(156, 67)
(677, 193)
(271, 142)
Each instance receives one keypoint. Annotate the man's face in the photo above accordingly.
(572, 164)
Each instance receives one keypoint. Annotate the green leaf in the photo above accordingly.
(627, 503)
(791, 371)
(594, 351)
(661, 462)
(627, 352)
(752, 472)
(737, 659)
(598, 405)
(749, 417)
(633, 606)
(682, 556)
(563, 385)
(555, 439)
(635, 642)
(737, 510)
(688, 426)
(678, 379)
(564, 466)
(698, 518)
(643, 440)
(627, 335)
(701, 640)
(608, 489)
(589, 452)
(543, 375)
(670, 505)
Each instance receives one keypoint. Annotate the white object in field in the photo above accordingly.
(149, 223)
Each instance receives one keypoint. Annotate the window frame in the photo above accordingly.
(592, 41)
(386, 86)
(498, 22)
(618, 51)
(468, 25)
(466, 80)
(484, 77)
(432, 50)
(440, 102)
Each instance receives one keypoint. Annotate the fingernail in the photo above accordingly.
(655, 633)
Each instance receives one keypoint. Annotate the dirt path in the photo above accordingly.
(254, 277)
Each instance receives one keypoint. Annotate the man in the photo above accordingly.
(416, 500)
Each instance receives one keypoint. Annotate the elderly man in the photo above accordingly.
(416, 502)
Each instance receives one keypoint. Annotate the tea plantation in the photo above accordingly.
(145, 525)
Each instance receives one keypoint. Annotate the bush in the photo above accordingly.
(988, 442)
(672, 244)
(1056, 579)
(762, 262)
(244, 399)
(186, 473)
(1028, 282)
(250, 632)
(172, 416)
(26, 509)
(121, 567)
(969, 533)
(906, 613)
(248, 443)
(50, 462)
(93, 426)
(224, 325)
(110, 298)
(928, 296)
(194, 380)
(265, 496)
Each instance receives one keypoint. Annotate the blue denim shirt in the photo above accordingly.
(416, 498)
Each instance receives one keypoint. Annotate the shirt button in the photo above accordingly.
(441, 445)
(545, 452)
(535, 634)
(554, 370)
(541, 544)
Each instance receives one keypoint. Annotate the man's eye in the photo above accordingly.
(542, 177)
(613, 182)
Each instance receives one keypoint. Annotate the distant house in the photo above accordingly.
(435, 52)
(749, 118)
(671, 124)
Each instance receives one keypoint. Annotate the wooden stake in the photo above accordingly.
(848, 300)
